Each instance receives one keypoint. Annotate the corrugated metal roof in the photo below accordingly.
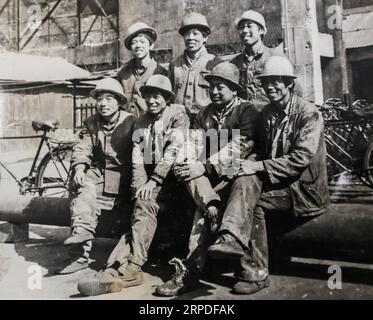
(31, 68)
(358, 30)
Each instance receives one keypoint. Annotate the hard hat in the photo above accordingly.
(278, 66)
(161, 83)
(194, 20)
(253, 16)
(137, 28)
(109, 85)
(226, 71)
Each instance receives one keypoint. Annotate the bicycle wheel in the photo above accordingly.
(368, 164)
(53, 174)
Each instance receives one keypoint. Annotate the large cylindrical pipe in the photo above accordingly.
(346, 228)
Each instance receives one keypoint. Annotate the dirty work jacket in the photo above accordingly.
(132, 82)
(189, 83)
(157, 141)
(101, 149)
(249, 72)
(302, 164)
(222, 154)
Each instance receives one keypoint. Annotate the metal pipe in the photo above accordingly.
(344, 232)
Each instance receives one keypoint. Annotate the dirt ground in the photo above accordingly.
(44, 253)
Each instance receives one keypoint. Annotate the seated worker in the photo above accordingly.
(229, 124)
(159, 135)
(101, 162)
(140, 41)
(289, 175)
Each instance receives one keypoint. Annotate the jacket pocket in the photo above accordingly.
(312, 195)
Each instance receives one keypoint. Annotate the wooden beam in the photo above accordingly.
(113, 26)
(42, 23)
(89, 29)
(4, 6)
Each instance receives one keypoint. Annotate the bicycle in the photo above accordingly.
(348, 136)
(50, 178)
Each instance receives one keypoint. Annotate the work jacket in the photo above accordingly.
(300, 156)
(100, 149)
(229, 136)
(157, 141)
(249, 72)
(188, 80)
(132, 82)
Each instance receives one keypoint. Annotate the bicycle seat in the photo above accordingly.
(45, 126)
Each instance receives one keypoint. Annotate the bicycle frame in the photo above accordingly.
(25, 182)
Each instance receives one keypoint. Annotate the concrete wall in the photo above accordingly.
(166, 17)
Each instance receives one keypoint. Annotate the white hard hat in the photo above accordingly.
(278, 66)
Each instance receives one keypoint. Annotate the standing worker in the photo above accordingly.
(187, 72)
(135, 73)
(252, 28)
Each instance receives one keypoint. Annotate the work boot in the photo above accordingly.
(225, 245)
(243, 287)
(182, 281)
(107, 281)
(79, 236)
(131, 275)
(77, 265)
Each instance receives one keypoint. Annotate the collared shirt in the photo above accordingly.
(250, 68)
(133, 77)
(230, 134)
(188, 80)
(105, 145)
(220, 116)
(279, 126)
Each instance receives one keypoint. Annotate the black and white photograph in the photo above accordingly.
(194, 150)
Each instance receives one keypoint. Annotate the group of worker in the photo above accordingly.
(149, 133)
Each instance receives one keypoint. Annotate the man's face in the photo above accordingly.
(140, 46)
(155, 101)
(194, 40)
(107, 104)
(250, 32)
(275, 88)
(220, 92)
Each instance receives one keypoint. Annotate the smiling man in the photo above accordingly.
(289, 176)
(101, 162)
(187, 72)
(230, 122)
(158, 137)
(135, 73)
(251, 27)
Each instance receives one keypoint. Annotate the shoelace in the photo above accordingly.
(180, 270)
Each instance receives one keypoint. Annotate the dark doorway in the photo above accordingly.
(363, 80)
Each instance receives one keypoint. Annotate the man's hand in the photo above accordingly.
(79, 177)
(249, 168)
(145, 192)
(187, 172)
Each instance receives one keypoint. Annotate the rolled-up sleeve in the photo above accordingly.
(83, 150)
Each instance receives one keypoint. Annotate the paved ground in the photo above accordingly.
(21, 263)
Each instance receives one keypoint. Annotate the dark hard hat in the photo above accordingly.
(195, 20)
(226, 71)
